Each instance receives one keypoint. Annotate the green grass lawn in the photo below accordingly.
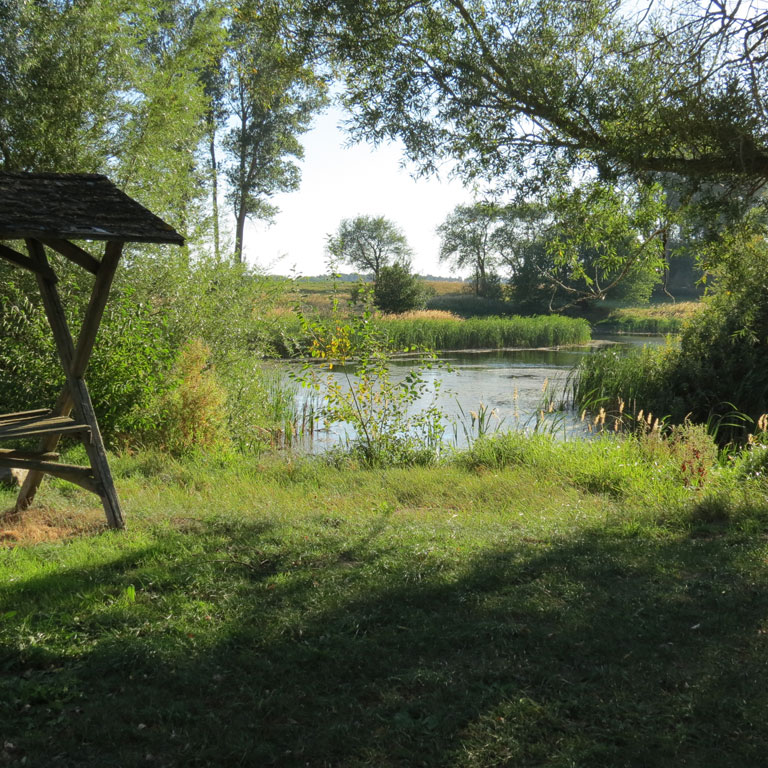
(528, 604)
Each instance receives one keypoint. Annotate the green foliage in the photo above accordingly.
(363, 395)
(156, 306)
(485, 332)
(585, 244)
(369, 243)
(398, 290)
(267, 94)
(719, 367)
(523, 92)
(467, 239)
(191, 410)
(56, 106)
(127, 370)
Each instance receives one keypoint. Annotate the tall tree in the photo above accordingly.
(507, 88)
(369, 243)
(111, 87)
(60, 64)
(584, 245)
(271, 94)
(467, 240)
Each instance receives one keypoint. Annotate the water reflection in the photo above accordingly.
(514, 386)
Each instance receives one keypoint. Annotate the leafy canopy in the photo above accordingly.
(369, 243)
(530, 89)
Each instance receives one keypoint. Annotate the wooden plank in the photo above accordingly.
(13, 453)
(77, 386)
(48, 443)
(34, 421)
(25, 429)
(26, 263)
(86, 339)
(24, 414)
(82, 476)
(74, 253)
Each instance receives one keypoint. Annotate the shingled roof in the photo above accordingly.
(75, 206)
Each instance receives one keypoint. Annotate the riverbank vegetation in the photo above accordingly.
(524, 602)
(717, 372)
(437, 331)
(656, 318)
(464, 612)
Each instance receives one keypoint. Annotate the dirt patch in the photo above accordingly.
(41, 524)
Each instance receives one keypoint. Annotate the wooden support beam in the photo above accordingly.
(95, 310)
(86, 339)
(13, 453)
(78, 389)
(74, 253)
(20, 260)
(82, 476)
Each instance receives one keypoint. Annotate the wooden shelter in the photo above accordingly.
(50, 210)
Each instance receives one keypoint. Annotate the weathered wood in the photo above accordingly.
(32, 481)
(40, 412)
(95, 310)
(82, 476)
(82, 354)
(78, 389)
(26, 263)
(14, 453)
(37, 427)
(74, 253)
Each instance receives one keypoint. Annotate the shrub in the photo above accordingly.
(397, 290)
(192, 410)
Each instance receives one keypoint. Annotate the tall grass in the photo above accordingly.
(658, 318)
(446, 332)
(636, 378)
(485, 332)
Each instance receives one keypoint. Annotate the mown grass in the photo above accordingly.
(441, 333)
(527, 604)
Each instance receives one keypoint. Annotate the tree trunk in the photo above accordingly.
(240, 217)
(214, 188)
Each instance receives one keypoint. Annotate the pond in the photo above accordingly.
(506, 388)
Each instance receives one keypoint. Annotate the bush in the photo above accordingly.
(158, 303)
(192, 411)
(397, 290)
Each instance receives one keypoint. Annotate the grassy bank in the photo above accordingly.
(527, 604)
(440, 330)
(657, 318)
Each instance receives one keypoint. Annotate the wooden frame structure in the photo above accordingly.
(47, 210)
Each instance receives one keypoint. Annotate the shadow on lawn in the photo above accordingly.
(601, 652)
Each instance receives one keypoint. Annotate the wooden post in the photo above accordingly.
(85, 342)
(74, 362)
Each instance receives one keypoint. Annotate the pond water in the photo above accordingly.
(510, 386)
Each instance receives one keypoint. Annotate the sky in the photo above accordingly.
(340, 181)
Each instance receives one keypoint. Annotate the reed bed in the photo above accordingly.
(443, 331)
(485, 332)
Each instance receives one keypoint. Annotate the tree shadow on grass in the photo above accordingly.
(604, 651)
